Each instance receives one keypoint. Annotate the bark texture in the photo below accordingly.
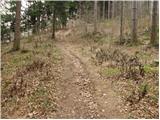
(154, 23)
(95, 16)
(121, 25)
(54, 23)
(134, 22)
(16, 44)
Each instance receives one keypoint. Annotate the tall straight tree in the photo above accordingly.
(151, 10)
(134, 22)
(121, 24)
(80, 9)
(95, 16)
(154, 23)
(113, 9)
(16, 44)
(109, 8)
(117, 6)
(103, 10)
(53, 22)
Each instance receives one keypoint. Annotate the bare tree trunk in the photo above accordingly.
(148, 5)
(154, 24)
(117, 8)
(121, 25)
(86, 14)
(16, 44)
(139, 9)
(109, 8)
(95, 16)
(134, 22)
(113, 9)
(54, 23)
(151, 10)
(103, 10)
(28, 23)
(80, 9)
(98, 11)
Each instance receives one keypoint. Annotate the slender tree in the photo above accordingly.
(99, 11)
(154, 23)
(95, 16)
(121, 24)
(109, 8)
(117, 8)
(113, 9)
(134, 22)
(16, 44)
(80, 9)
(103, 10)
(150, 9)
(53, 23)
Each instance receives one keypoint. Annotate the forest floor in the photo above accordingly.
(63, 79)
(87, 95)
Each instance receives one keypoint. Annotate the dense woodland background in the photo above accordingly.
(79, 59)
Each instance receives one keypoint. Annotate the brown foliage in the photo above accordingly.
(130, 66)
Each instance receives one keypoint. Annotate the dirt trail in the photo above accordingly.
(84, 94)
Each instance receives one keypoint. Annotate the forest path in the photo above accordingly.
(83, 93)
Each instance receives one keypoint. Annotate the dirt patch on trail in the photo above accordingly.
(87, 95)
(75, 90)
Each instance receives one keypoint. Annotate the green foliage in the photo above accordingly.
(110, 72)
(45, 11)
(27, 55)
(37, 15)
(150, 69)
(143, 88)
(8, 19)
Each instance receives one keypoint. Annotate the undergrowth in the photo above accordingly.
(28, 79)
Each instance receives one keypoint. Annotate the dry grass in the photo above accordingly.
(28, 79)
(142, 94)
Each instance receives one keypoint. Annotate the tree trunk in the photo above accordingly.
(95, 16)
(38, 25)
(53, 23)
(151, 10)
(139, 9)
(109, 8)
(16, 44)
(134, 22)
(117, 8)
(121, 25)
(113, 9)
(80, 9)
(154, 23)
(103, 10)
